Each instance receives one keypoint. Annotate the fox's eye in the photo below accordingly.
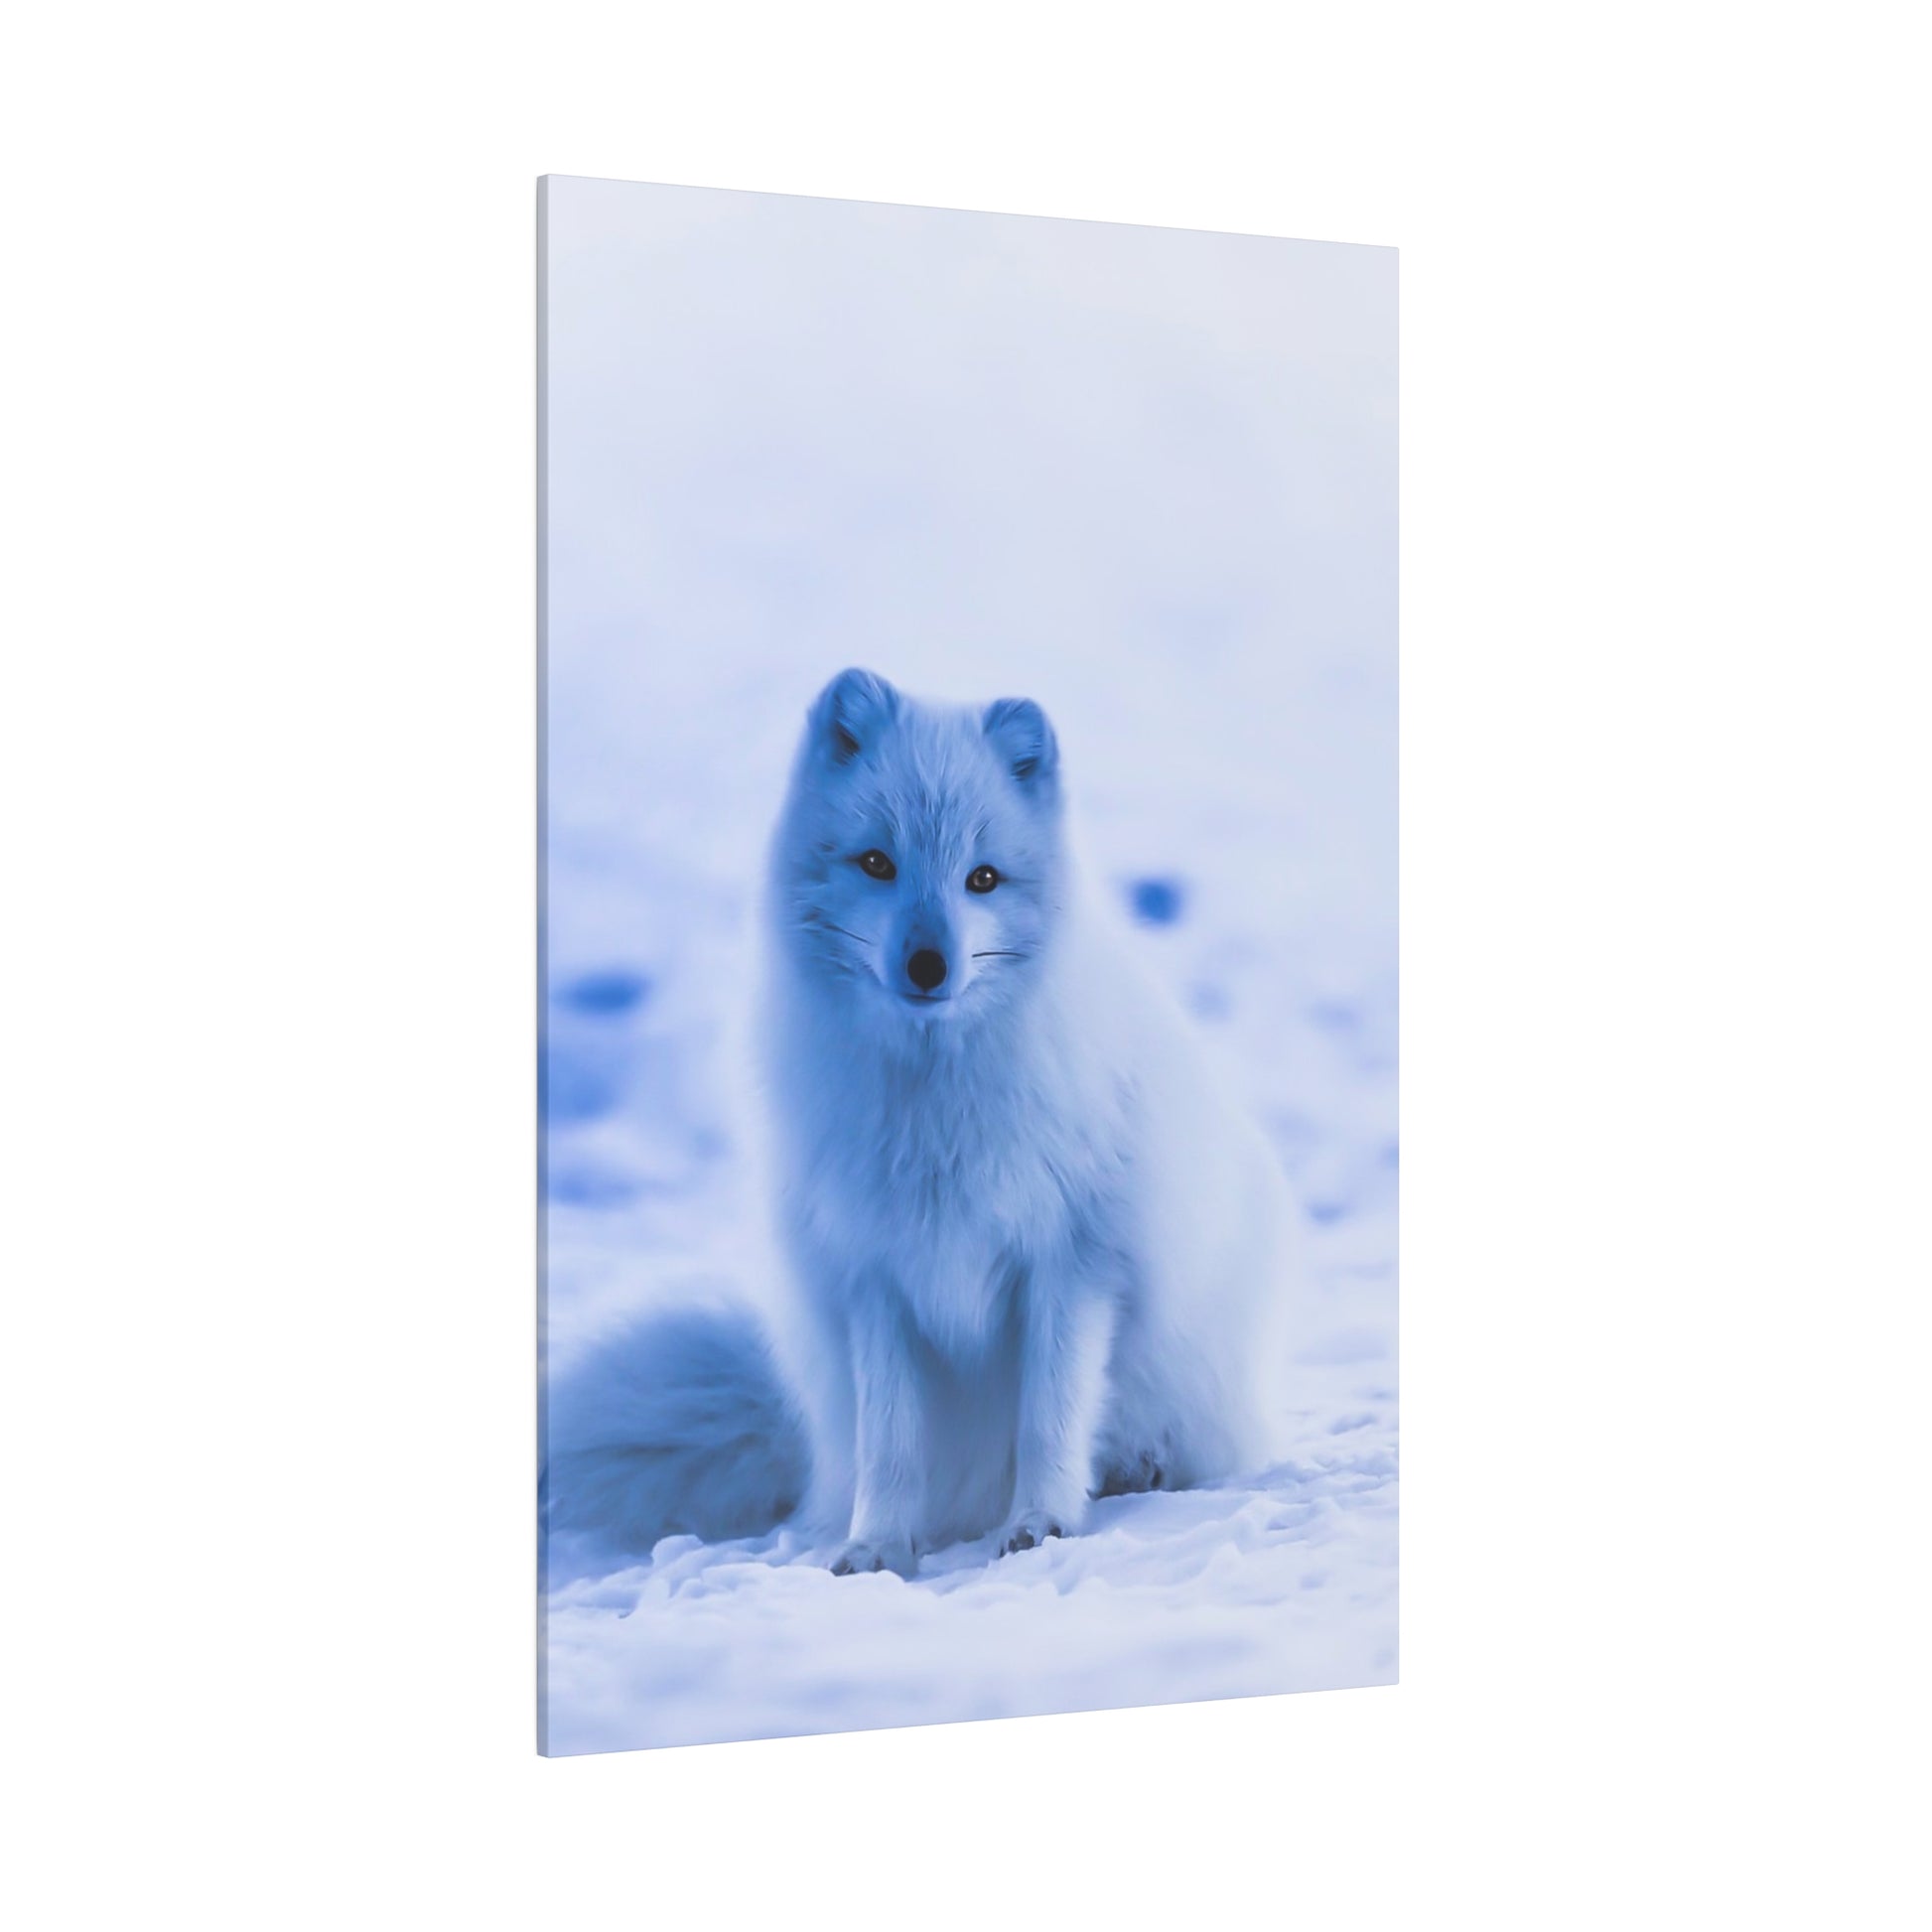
(981, 879)
(875, 865)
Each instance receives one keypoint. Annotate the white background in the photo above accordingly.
(267, 782)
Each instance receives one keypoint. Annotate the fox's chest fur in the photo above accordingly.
(947, 1175)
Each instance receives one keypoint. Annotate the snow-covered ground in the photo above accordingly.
(1147, 477)
(1284, 1584)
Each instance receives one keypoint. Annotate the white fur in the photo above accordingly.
(1039, 1251)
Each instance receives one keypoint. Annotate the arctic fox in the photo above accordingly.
(1037, 1254)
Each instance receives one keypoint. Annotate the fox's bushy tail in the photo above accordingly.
(678, 1424)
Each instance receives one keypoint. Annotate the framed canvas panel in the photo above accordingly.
(969, 1138)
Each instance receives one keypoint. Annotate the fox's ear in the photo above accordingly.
(1019, 731)
(851, 712)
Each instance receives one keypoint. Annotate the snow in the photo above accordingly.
(1287, 1583)
(1146, 476)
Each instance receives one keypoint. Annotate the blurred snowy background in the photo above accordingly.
(1147, 476)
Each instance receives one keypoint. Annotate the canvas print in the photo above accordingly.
(968, 923)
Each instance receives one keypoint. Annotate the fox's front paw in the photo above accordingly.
(859, 1556)
(1031, 1527)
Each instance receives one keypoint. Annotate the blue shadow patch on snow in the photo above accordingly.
(584, 1184)
(605, 993)
(1208, 1001)
(1156, 901)
(575, 1085)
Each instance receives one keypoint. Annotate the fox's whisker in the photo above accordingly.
(997, 953)
(849, 933)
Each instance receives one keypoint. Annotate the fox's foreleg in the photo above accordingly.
(1068, 1332)
(890, 1442)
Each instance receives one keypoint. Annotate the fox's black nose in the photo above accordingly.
(927, 969)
